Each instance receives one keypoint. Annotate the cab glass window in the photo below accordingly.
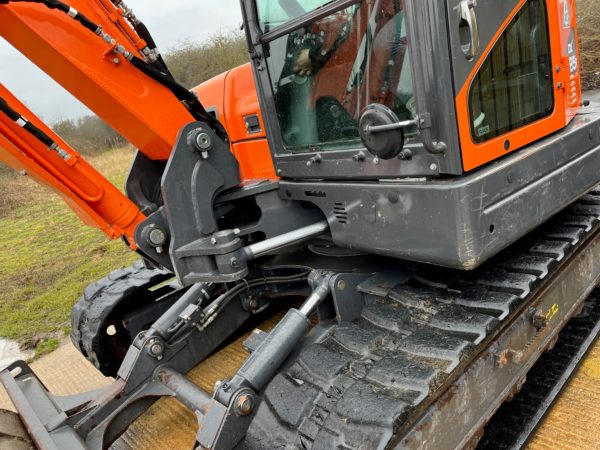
(325, 73)
(272, 13)
(514, 86)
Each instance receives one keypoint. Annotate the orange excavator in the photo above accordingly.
(411, 181)
(140, 104)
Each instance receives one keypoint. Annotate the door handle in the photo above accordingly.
(468, 18)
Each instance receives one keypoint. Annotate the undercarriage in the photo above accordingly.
(406, 340)
(425, 222)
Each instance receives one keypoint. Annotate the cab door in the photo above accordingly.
(516, 73)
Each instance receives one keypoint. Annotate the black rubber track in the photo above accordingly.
(360, 384)
(513, 418)
(120, 292)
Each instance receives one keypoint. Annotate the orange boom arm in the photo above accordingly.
(142, 110)
(94, 49)
(59, 167)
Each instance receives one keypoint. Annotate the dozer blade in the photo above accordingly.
(40, 411)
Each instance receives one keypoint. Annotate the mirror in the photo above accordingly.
(381, 131)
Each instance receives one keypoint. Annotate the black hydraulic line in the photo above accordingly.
(144, 33)
(217, 305)
(55, 4)
(31, 129)
(188, 98)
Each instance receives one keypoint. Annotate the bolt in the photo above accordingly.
(244, 404)
(341, 285)
(335, 111)
(157, 237)
(360, 156)
(509, 355)
(538, 318)
(314, 160)
(233, 262)
(116, 60)
(155, 349)
(213, 241)
(433, 167)
(405, 154)
(203, 141)
(252, 303)
(376, 160)
(502, 359)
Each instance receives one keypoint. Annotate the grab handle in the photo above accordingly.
(469, 20)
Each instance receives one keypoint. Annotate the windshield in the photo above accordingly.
(324, 74)
(272, 13)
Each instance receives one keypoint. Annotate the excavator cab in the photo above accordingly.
(510, 72)
(411, 116)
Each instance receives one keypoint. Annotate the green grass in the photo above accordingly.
(47, 257)
(46, 346)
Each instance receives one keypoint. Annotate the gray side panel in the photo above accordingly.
(462, 222)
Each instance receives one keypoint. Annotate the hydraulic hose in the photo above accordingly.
(184, 95)
(144, 33)
(55, 4)
(189, 99)
(32, 129)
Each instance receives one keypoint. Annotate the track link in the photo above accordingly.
(516, 420)
(120, 292)
(362, 384)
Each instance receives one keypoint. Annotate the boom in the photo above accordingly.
(26, 143)
(95, 71)
(107, 59)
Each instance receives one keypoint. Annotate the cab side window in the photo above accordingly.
(514, 85)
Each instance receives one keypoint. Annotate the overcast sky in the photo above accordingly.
(170, 22)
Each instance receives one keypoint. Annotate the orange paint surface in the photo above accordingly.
(567, 90)
(142, 110)
(233, 96)
(95, 200)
